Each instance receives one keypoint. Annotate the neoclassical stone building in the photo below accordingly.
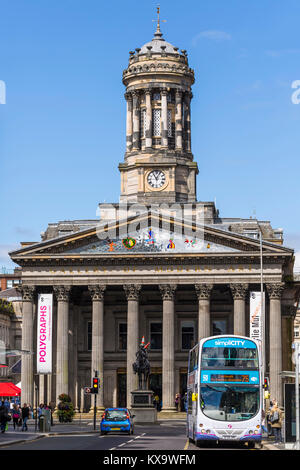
(158, 264)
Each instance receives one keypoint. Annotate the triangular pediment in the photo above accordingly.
(148, 233)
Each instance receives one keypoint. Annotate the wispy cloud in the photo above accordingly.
(281, 52)
(213, 35)
(5, 260)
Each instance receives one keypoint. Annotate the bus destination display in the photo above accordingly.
(230, 378)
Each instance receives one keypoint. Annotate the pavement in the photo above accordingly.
(18, 436)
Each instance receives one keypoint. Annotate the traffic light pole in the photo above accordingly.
(95, 403)
(297, 370)
(95, 410)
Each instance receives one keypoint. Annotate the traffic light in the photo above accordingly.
(95, 384)
(266, 383)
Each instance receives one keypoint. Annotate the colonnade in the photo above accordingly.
(139, 100)
(133, 291)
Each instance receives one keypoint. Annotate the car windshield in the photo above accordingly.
(116, 415)
(242, 358)
(229, 402)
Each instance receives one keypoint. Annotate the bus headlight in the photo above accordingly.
(207, 431)
(250, 432)
(256, 431)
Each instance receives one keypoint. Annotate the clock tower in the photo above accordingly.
(158, 165)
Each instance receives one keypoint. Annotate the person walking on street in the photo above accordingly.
(4, 417)
(16, 415)
(25, 416)
(276, 417)
(177, 401)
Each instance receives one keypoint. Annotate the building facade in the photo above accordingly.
(158, 264)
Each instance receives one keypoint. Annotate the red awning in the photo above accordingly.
(8, 389)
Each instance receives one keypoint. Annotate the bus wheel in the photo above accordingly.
(251, 444)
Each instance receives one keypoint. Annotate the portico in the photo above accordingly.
(104, 304)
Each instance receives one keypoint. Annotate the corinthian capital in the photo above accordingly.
(239, 291)
(27, 292)
(132, 291)
(275, 290)
(97, 292)
(62, 293)
(167, 291)
(203, 291)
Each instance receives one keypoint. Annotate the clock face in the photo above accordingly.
(156, 178)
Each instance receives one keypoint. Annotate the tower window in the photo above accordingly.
(169, 123)
(156, 96)
(156, 122)
(143, 123)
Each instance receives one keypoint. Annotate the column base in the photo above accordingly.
(169, 410)
(99, 409)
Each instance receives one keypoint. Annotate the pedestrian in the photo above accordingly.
(185, 401)
(52, 409)
(177, 401)
(263, 422)
(16, 415)
(25, 415)
(276, 417)
(40, 410)
(4, 417)
(156, 401)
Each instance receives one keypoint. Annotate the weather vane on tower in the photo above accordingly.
(158, 20)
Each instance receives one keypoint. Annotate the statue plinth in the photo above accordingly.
(142, 406)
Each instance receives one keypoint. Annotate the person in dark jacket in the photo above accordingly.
(4, 417)
(25, 416)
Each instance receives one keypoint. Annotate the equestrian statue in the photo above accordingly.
(142, 366)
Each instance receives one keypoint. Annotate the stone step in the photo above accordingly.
(160, 416)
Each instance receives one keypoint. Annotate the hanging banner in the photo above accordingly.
(44, 334)
(256, 315)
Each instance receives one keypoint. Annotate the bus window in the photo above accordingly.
(229, 357)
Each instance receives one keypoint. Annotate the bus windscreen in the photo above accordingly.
(218, 357)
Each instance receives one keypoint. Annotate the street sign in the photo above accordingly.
(88, 390)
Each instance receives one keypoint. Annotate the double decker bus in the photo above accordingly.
(224, 388)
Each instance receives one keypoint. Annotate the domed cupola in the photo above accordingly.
(158, 83)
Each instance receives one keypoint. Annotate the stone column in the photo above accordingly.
(27, 344)
(132, 292)
(148, 119)
(164, 118)
(97, 294)
(62, 294)
(168, 351)
(188, 97)
(128, 97)
(136, 122)
(178, 121)
(203, 292)
(274, 292)
(239, 292)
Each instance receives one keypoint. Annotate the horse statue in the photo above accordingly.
(142, 366)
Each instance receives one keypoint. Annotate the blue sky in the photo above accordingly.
(62, 129)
